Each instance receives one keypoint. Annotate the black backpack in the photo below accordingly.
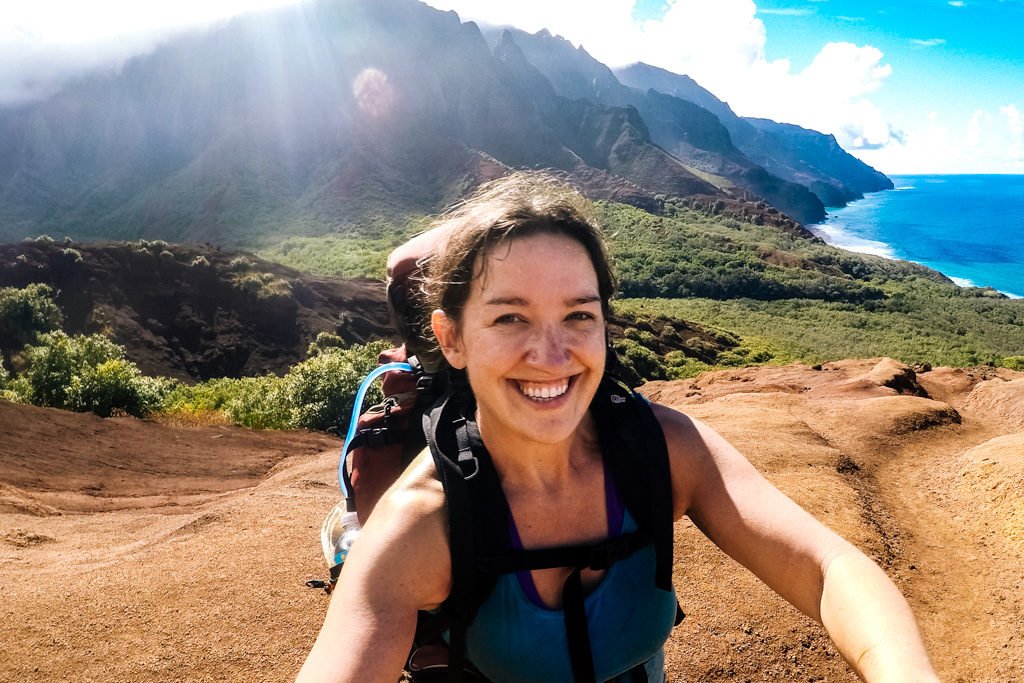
(478, 516)
(427, 405)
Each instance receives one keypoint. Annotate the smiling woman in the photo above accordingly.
(531, 338)
(561, 488)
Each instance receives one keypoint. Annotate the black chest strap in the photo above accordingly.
(478, 518)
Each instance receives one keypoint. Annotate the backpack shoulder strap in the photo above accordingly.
(477, 519)
(634, 443)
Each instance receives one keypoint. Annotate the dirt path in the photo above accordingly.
(966, 582)
(936, 491)
(131, 551)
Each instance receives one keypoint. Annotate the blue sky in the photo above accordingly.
(950, 61)
(910, 87)
(920, 86)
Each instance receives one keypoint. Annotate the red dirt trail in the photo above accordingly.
(134, 551)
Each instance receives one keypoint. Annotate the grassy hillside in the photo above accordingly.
(783, 296)
(800, 299)
(917, 323)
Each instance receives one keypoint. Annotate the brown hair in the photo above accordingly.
(518, 205)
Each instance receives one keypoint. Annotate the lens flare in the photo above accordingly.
(374, 94)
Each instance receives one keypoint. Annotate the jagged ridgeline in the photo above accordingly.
(320, 136)
(351, 116)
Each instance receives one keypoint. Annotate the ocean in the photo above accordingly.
(969, 227)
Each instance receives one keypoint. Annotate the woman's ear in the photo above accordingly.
(448, 338)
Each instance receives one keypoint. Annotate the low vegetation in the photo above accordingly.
(334, 256)
(783, 296)
(917, 322)
(89, 373)
(698, 292)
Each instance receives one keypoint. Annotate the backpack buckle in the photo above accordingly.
(606, 554)
(466, 456)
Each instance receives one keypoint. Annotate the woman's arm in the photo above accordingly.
(400, 564)
(799, 558)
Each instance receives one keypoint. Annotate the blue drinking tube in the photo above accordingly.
(357, 409)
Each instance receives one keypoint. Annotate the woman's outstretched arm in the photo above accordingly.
(822, 575)
(400, 564)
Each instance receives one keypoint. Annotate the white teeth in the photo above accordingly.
(544, 392)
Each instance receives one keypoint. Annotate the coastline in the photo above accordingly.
(861, 227)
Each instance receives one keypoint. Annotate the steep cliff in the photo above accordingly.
(807, 157)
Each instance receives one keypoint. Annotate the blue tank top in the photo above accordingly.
(516, 639)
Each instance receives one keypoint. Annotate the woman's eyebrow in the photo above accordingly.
(506, 301)
(520, 301)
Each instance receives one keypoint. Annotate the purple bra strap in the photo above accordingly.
(616, 513)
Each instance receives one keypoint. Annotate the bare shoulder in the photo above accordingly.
(693, 449)
(405, 541)
(399, 564)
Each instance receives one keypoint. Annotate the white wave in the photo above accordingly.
(964, 282)
(837, 237)
(904, 187)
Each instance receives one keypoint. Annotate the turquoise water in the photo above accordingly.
(970, 227)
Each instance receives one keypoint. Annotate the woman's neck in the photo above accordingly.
(523, 463)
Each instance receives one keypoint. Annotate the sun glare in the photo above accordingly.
(374, 94)
(71, 22)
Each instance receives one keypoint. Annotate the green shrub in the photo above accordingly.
(24, 314)
(680, 366)
(1013, 363)
(249, 401)
(324, 341)
(320, 391)
(10, 395)
(239, 264)
(104, 388)
(315, 394)
(52, 365)
(263, 285)
(151, 391)
(641, 336)
(638, 364)
(85, 374)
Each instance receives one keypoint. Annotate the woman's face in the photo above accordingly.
(531, 338)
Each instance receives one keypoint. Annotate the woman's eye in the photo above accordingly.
(508, 318)
(582, 315)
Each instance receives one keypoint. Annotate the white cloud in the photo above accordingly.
(45, 42)
(975, 142)
(788, 11)
(722, 45)
(956, 3)
(974, 128)
(929, 42)
(1015, 122)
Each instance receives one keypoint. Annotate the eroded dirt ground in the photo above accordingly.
(132, 551)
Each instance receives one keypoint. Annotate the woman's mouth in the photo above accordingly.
(544, 391)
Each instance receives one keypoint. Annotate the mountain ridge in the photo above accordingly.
(786, 155)
(391, 110)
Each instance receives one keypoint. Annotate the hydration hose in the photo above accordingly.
(357, 409)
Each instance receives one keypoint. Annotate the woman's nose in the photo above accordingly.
(548, 347)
